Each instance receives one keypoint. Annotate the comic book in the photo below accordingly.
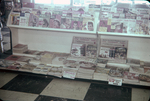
(88, 23)
(33, 20)
(55, 20)
(66, 20)
(15, 18)
(76, 23)
(44, 19)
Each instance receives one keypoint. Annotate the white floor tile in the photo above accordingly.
(17, 96)
(6, 77)
(140, 94)
(66, 89)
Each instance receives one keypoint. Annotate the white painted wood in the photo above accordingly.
(47, 40)
(138, 48)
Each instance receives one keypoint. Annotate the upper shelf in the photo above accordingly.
(124, 34)
(52, 29)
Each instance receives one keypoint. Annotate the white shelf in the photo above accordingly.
(123, 34)
(52, 29)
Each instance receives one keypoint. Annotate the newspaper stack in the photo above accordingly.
(20, 48)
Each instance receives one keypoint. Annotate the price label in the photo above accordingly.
(114, 81)
(69, 74)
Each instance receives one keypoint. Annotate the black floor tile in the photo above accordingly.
(49, 98)
(28, 84)
(99, 92)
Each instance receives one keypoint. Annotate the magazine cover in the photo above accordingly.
(82, 46)
(55, 20)
(66, 20)
(144, 78)
(33, 20)
(104, 52)
(78, 50)
(131, 27)
(88, 23)
(142, 27)
(131, 77)
(115, 72)
(76, 23)
(135, 69)
(17, 7)
(103, 24)
(24, 19)
(91, 50)
(15, 17)
(147, 70)
(115, 50)
(27, 5)
(44, 21)
(116, 26)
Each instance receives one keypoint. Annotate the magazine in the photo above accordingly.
(55, 20)
(82, 46)
(76, 23)
(88, 23)
(24, 19)
(15, 17)
(130, 77)
(38, 6)
(114, 50)
(147, 70)
(78, 50)
(17, 7)
(144, 78)
(66, 20)
(33, 20)
(13, 58)
(131, 27)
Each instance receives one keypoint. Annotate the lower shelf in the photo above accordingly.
(103, 79)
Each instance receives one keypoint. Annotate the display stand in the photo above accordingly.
(59, 40)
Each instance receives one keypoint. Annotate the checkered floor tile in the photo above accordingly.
(16, 87)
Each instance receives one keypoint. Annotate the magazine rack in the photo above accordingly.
(60, 40)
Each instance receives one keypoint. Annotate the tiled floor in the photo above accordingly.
(18, 87)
